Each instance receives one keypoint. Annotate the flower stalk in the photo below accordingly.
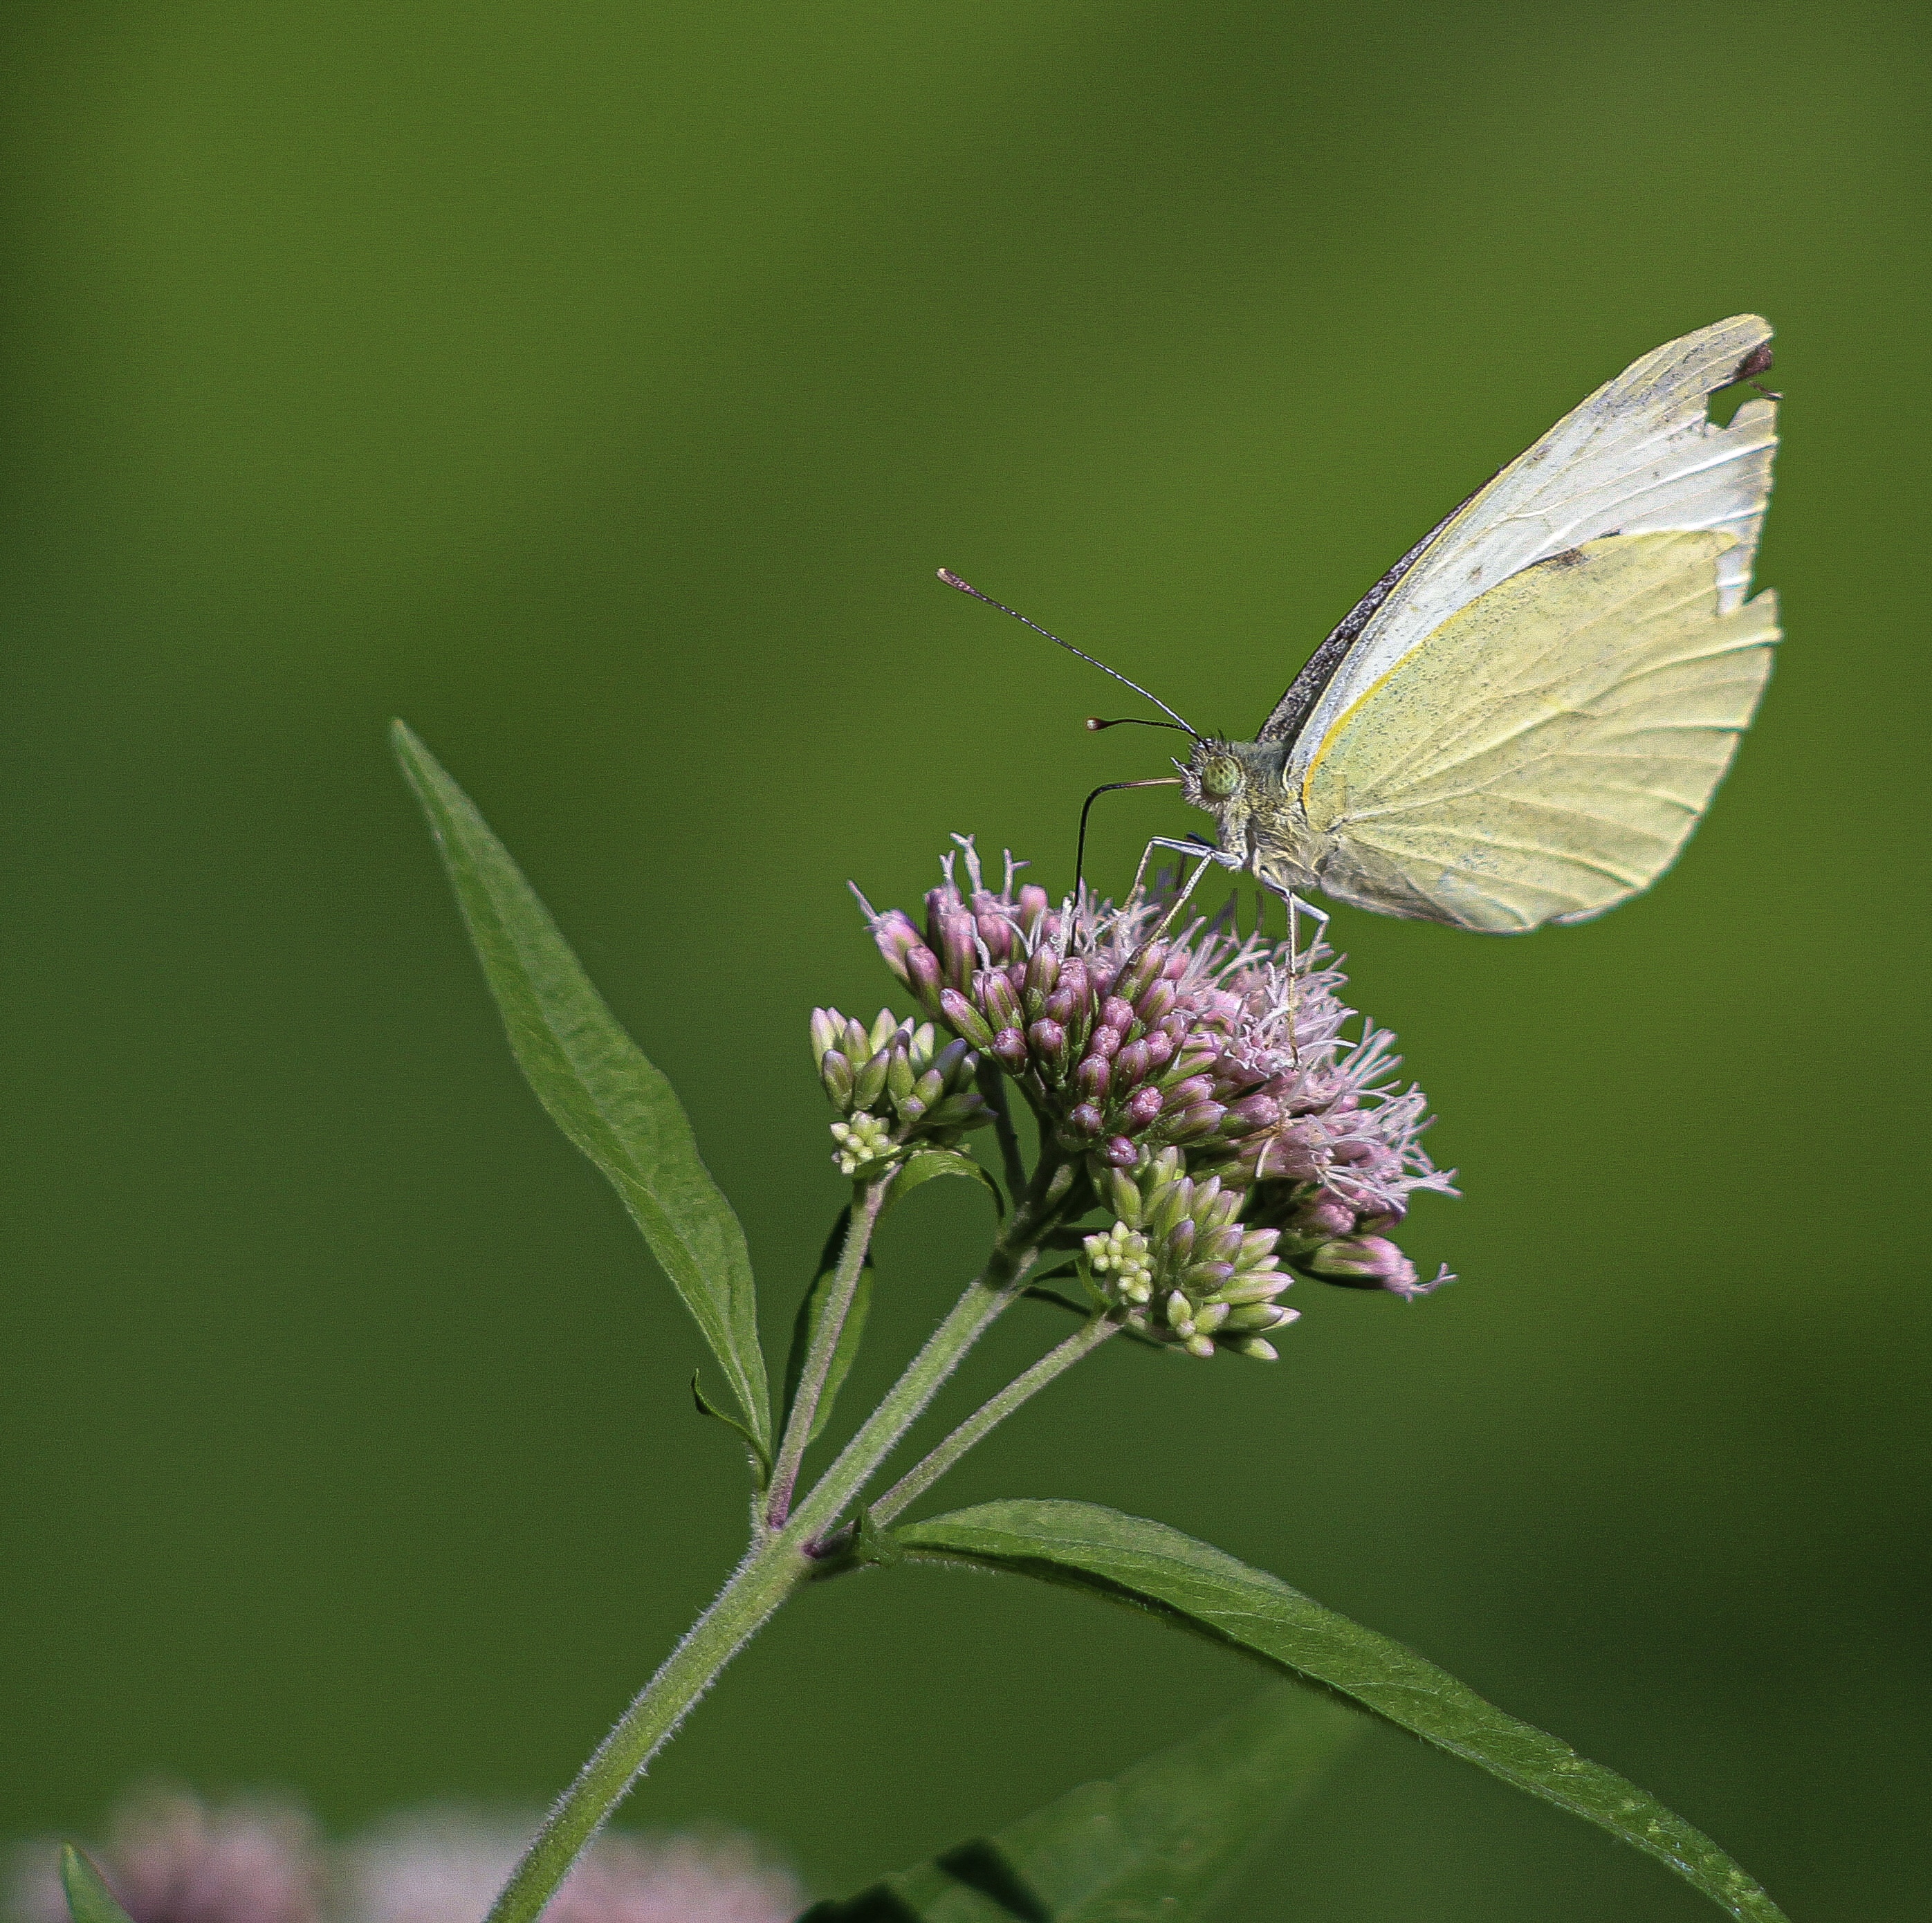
(990, 1414)
(861, 1220)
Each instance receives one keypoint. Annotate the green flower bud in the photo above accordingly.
(868, 1083)
(835, 1072)
(863, 1139)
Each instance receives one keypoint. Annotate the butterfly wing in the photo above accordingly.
(1546, 754)
(1638, 456)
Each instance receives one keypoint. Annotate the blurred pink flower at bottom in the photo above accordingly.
(172, 1858)
(448, 1869)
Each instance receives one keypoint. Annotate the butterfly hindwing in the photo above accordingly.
(1544, 754)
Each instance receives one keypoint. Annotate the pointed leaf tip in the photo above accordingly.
(89, 1898)
(599, 1086)
(1147, 1565)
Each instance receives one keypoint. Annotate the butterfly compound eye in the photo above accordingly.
(1220, 777)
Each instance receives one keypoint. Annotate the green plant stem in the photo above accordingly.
(860, 1221)
(988, 1416)
(781, 1562)
(760, 1583)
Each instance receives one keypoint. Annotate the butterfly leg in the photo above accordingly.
(1209, 856)
(1298, 964)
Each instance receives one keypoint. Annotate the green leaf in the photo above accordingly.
(805, 1326)
(89, 1898)
(1158, 1843)
(761, 1462)
(597, 1083)
(1147, 1565)
(922, 1165)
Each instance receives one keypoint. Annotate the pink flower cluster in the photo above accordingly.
(1127, 1038)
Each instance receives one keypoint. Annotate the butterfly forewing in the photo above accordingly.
(1638, 456)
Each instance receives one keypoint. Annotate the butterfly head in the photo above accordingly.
(1231, 777)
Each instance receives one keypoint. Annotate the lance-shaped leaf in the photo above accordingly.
(598, 1084)
(89, 1898)
(1160, 1842)
(1148, 1566)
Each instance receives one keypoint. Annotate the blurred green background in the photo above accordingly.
(598, 387)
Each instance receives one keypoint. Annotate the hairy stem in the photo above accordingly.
(988, 1416)
(860, 1221)
(760, 1583)
(779, 1563)
(987, 1297)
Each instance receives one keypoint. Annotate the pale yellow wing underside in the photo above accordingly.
(1545, 753)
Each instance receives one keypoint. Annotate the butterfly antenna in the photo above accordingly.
(967, 587)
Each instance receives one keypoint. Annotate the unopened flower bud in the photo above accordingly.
(997, 1000)
(959, 950)
(836, 1072)
(1009, 1048)
(899, 1076)
(897, 939)
(827, 1024)
(996, 935)
(1156, 1001)
(1195, 1123)
(922, 977)
(1116, 1014)
(1139, 974)
(1263, 1287)
(1084, 1121)
(1186, 1094)
(1103, 1041)
(955, 1063)
(1119, 1152)
(1256, 1111)
(1362, 1262)
(966, 1020)
(967, 1110)
(1324, 1213)
(1143, 1107)
(1043, 973)
(1130, 1065)
(868, 1082)
(863, 1139)
(1091, 1078)
(1251, 1317)
(1047, 1040)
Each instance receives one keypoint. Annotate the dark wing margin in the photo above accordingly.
(1292, 709)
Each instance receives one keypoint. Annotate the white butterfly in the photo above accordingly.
(1523, 721)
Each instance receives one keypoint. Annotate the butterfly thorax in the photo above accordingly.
(1260, 819)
